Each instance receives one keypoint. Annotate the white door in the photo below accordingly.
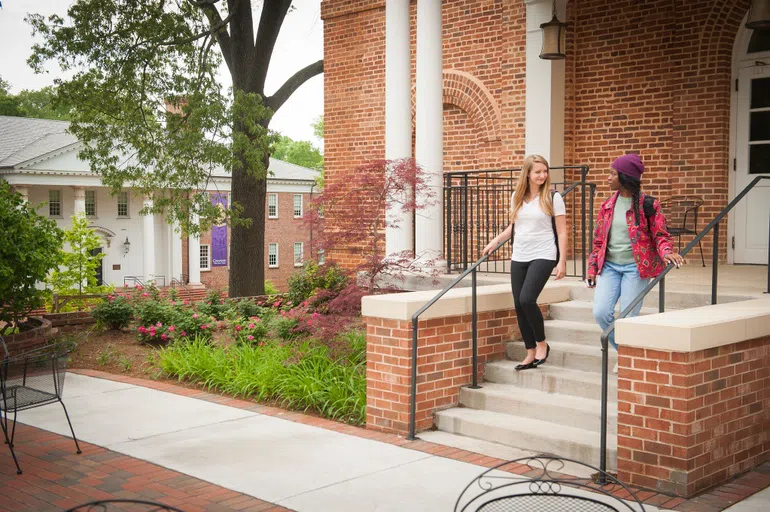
(752, 214)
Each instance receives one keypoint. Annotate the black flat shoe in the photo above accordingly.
(527, 366)
(538, 362)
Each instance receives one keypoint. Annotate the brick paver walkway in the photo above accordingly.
(54, 478)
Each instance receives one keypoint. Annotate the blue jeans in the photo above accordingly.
(616, 282)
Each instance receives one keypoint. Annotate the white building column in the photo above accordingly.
(22, 190)
(175, 237)
(148, 243)
(429, 128)
(80, 200)
(194, 256)
(545, 90)
(398, 113)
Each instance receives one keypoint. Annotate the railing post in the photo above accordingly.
(715, 264)
(603, 440)
(413, 398)
(662, 295)
(583, 172)
(474, 336)
(768, 257)
(448, 223)
(466, 241)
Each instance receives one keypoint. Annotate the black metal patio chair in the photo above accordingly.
(29, 379)
(682, 218)
(129, 505)
(544, 488)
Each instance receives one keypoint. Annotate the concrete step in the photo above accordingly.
(675, 299)
(584, 413)
(551, 379)
(582, 311)
(573, 332)
(532, 434)
(587, 358)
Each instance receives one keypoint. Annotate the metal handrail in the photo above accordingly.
(714, 224)
(474, 317)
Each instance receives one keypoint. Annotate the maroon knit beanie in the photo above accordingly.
(630, 165)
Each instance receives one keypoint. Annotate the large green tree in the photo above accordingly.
(298, 152)
(130, 59)
(29, 249)
(42, 103)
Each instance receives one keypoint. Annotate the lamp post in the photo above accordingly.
(759, 15)
(554, 38)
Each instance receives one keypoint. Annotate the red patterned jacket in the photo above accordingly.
(650, 241)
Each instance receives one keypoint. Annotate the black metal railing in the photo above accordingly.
(476, 207)
(660, 281)
(134, 280)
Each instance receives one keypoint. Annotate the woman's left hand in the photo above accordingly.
(561, 269)
(675, 258)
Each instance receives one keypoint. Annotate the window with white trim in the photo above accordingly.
(321, 257)
(90, 203)
(299, 253)
(297, 205)
(123, 204)
(205, 257)
(54, 203)
(272, 256)
(272, 206)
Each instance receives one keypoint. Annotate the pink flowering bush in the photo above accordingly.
(114, 312)
(155, 333)
(192, 323)
(249, 330)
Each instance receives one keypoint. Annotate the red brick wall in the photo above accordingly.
(652, 77)
(443, 364)
(689, 421)
(285, 230)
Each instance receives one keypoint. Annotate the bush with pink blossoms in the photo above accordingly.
(189, 323)
(249, 330)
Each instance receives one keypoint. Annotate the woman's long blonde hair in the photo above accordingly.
(522, 187)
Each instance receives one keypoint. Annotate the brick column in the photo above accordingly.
(690, 420)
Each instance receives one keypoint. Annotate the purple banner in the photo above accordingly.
(219, 235)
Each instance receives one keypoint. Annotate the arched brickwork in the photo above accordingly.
(467, 92)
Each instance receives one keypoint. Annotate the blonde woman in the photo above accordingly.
(539, 229)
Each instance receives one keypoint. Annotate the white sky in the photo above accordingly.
(300, 43)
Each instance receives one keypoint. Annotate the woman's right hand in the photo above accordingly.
(491, 245)
(590, 283)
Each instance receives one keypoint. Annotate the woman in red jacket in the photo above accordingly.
(629, 247)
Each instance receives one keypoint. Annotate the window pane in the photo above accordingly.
(760, 126)
(90, 203)
(272, 205)
(54, 203)
(123, 204)
(297, 253)
(760, 41)
(272, 258)
(204, 257)
(297, 205)
(760, 92)
(321, 257)
(759, 159)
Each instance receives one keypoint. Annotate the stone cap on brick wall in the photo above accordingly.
(401, 306)
(688, 330)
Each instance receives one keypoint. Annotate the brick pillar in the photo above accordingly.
(690, 420)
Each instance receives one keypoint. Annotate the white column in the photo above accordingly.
(80, 200)
(545, 90)
(398, 112)
(148, 243)
(429, 129)
(194, 257)
(22, 190)
(175, 235)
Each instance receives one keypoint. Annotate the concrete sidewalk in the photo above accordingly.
(295, 465)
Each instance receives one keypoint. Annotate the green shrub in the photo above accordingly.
(270, 288)
(189, 323)
(249, 330)
(313, 277)
(151, 311)
(113, 312)
(284, 326)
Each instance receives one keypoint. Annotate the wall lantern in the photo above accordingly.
(126, 246)
(759, 15)
(554, 38)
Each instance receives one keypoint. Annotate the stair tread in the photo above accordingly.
(572, 324)
(529, 427)
(567, 373)
(587, 304)
(577, 348)
(537, 396)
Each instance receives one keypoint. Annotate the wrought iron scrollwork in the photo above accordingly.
(544, 487)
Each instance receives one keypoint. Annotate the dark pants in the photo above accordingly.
(527, 281)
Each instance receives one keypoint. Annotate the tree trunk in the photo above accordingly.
(247, 259)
